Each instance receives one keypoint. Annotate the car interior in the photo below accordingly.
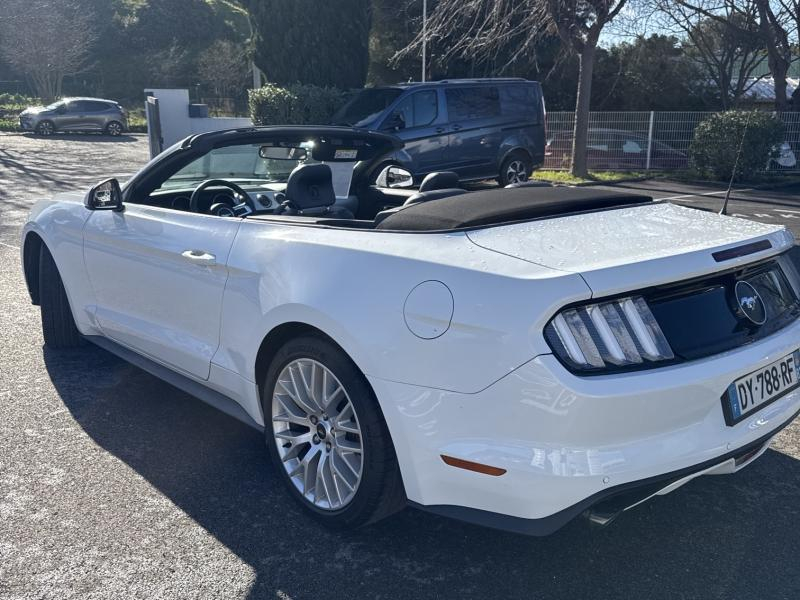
(439, 205)
(325, 181)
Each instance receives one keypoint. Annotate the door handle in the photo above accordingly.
(440, 130)
(456, 127)
(200, 257)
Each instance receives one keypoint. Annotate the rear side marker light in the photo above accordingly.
(472, 466)
(605, 335)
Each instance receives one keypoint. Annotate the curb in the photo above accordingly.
(753, 186)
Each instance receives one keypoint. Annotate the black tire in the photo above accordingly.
(114, 128)
(380, 492)
(58, 324)
(516, 168)
(45, 128)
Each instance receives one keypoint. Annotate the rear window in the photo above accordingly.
(520, 101)
(99, 106)
(473, 103)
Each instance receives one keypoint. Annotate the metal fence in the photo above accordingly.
(648, 141)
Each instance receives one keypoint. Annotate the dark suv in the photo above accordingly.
(479, 128)
(75, 114)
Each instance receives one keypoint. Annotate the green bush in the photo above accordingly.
(294, 104)
(717, 141)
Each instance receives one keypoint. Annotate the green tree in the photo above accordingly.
(636, 74)
(319, 42)
(394, 25)
(159, 43)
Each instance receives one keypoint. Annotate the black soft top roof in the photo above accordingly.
(496, 206)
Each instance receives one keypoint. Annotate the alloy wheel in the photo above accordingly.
(114, 129)
(516, 172)
(317, 434)
(45, 128)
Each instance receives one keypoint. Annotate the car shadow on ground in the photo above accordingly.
(83, 137)
(718, 537)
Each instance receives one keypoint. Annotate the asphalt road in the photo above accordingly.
(116, 485)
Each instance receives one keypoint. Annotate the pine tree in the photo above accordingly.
(319, 42)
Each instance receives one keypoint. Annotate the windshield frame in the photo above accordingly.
(265, 170)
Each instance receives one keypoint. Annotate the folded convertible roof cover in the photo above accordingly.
(492, 207)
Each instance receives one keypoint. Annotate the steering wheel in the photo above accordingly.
(194, 201)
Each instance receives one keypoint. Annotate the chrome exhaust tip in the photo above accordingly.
(601, 518)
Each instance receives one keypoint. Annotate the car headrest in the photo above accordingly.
(433, 195)
(310, 186)
(440, 180)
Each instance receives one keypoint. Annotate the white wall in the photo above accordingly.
(173, 106)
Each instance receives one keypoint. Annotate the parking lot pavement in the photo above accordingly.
(116, 485)
(778, 205)
(33, 167)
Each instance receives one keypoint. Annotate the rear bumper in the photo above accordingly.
(567, 443)
(605, 505)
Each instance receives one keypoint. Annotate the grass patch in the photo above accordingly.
(594, 176)
(9, 125)
(137, 122)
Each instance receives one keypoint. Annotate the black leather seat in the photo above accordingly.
(440, 180)
(417, 198)
(444, 182)
(309, 192)
(433, 195)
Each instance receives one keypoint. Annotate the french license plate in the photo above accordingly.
(753, 392)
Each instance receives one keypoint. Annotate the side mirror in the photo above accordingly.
(395, 122)
(394, 177)
(106, 195)
(61, 109)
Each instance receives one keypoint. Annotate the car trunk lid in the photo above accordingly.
(635, 247)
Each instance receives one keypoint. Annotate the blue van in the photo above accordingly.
(479, 128)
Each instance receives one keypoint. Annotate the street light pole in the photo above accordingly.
(424, 36)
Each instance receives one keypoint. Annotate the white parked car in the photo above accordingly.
(511, 357)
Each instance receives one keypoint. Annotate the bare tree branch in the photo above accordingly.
(777, 21)
(482, 29)
(46, 41)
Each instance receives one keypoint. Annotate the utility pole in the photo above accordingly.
(424, 36)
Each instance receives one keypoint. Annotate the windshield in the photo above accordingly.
(244, 163)
(365, 107)
(54, 105)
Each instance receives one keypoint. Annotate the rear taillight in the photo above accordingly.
(608, 335)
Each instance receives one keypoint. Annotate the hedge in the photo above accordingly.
(717, 141)
(295, 104)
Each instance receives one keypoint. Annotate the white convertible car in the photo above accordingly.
(511, 357)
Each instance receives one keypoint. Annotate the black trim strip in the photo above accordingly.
(739, 251)
(219, 401)
(554, 522)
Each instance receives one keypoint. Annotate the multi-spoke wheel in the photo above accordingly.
(45, 128)
(327, 436)
(114, 128)
(317, 434)
(515, 169)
